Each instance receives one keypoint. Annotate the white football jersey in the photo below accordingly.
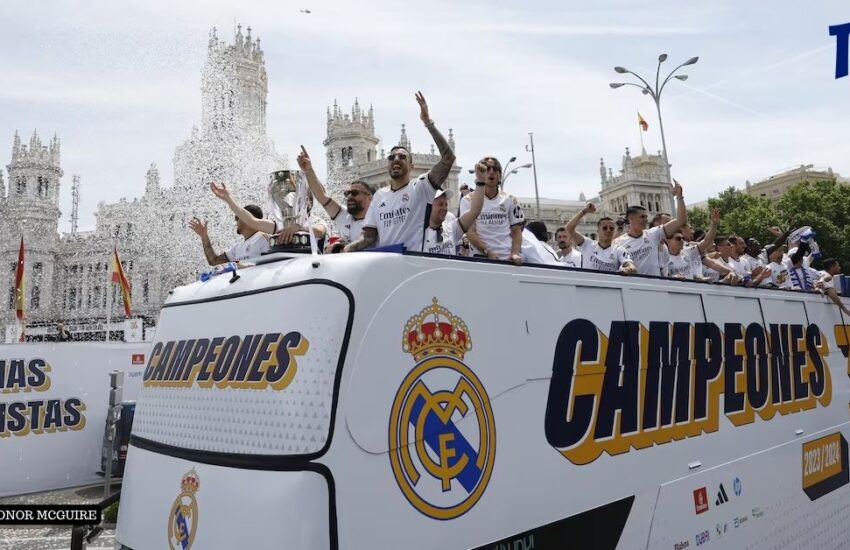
(573, 258)
(348, 228)
(447, 241)
(602, 259)
(251, 247)
(399, 216)
(682, 265)
(644, 250)
(494, 223)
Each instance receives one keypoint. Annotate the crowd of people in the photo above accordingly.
(413, 212)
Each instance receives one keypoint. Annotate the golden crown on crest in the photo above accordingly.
(190, 482)
(436, 331)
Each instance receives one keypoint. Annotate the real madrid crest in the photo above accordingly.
(183, 518)
(441, 433)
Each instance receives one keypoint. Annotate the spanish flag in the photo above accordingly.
(642, 123)
(19, 288)
(120, 278)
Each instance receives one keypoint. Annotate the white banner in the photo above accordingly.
(54, 399)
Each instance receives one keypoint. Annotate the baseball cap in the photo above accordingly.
(442, 192)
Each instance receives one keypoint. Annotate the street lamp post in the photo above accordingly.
(534, 167)
(655, 94)
(514, 171)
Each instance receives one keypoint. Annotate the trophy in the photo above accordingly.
(288, 194)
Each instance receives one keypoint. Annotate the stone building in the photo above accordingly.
(67, 275)
(355, 152)
(775, 186)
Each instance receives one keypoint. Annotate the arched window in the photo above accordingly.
(22, 185)
(369, 155)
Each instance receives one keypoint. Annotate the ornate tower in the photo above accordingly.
(31, 211)
(234, 86)
(642, 181)
(350, 143)
(152, 181)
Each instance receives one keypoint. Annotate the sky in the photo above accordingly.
(119, 83)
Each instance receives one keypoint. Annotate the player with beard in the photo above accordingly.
(642, 244)
(349, 219)
(399, 213)
(567, 255)
(601, 255)
(497, 232)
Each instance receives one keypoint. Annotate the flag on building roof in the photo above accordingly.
(119, 278)
(642, 123)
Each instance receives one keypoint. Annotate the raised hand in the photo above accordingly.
(715, 215)
(220, 191)
(590, 208)
(676, 189)
(198, 226)
(304, 161)
(423, 108)
(775, 231)
(480, 171)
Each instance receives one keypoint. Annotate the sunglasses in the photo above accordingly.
(492, 169)
(351, 193)
(607, 228)
(397, 156)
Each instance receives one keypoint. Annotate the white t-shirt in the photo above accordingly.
(346, 226)
(494, 223)
(597, 258)
(535, 251)
(779, 276)
(448, 241)
(399, 216)
(750, 262)
(644, 249)
(694, 258)
(739, 266)
(572, 258)
(251, 247)
(663, 258)
(682, 265)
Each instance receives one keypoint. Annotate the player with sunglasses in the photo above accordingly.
(349, 219)
(399, 213)
(601, 255)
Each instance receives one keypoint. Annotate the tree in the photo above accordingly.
(698, 218)
(825, 206)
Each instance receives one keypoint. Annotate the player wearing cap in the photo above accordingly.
(604, 254)
(497, 232)
(397, 214)
(349, 219)
(444, 234)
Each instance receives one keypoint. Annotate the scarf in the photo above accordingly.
(806, 284)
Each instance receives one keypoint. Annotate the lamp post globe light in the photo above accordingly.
(655, 94)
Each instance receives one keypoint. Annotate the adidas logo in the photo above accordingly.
(722, 497)
(383, 204)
